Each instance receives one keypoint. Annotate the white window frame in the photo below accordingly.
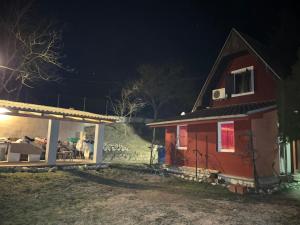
(177, 137)
(220, 149)
(234, 72)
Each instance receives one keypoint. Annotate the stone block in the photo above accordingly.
(232, 188)
(241, 189)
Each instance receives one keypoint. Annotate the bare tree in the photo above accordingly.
(127, 104)
(30, 51)
(160, 86)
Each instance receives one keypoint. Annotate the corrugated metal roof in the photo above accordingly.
(221, 112)
(34, 108)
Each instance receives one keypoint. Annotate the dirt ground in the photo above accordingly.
(124, 196)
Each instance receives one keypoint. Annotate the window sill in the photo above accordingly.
(242, 94)
(226, 150)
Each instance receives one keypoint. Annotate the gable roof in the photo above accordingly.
(233, 111)
(235, 43)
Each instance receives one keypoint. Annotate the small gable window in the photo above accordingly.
(226, 136)
(182, 138)
(243, 81)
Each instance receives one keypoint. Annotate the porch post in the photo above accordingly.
(52, 139)
(98, 143)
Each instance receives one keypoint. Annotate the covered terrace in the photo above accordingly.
(54, 116)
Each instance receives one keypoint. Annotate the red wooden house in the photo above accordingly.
(233, 126)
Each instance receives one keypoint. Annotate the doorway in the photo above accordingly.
(285, 161)
(296, 156)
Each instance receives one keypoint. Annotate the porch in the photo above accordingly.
(50, 120)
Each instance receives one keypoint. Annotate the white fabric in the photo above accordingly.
(82, 146)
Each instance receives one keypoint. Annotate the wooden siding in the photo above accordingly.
(265, 134)
(264, 82)
(236, 164)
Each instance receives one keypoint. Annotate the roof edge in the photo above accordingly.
(196, 119)
(251, 112)
(210, 75)
(261, 109)
(211, 71)
(49, 112)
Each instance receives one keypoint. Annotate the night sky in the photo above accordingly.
(105, 41)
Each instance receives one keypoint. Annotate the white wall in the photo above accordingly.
(288, 160)
(14, 126)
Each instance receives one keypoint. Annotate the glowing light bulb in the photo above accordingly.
(2, 113)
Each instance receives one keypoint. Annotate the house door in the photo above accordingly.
(202, 150)
(296, 156)
(171, 154)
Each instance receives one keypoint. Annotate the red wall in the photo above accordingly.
(236, 164)
(264, 81)
(170, 143)
(265, 133)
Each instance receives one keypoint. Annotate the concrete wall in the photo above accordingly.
(14, 126)
(265, 134)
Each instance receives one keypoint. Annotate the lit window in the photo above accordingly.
(226, 136)
(182, 138)
(243, 81)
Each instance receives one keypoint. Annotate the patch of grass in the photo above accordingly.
(132, 195)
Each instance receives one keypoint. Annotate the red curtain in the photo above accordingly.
(183, 136)
(227, 130)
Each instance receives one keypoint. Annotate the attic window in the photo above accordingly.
(243, 81)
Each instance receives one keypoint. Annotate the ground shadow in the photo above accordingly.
(142, 168)
(109, 182)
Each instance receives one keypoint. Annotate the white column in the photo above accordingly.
(98, 143)
(52, 139)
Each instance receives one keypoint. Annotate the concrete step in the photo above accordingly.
(296, 177)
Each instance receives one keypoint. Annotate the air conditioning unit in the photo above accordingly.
(218, 94)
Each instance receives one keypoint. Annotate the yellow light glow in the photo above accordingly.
(4, 117)
(74, 118)
(3, 110)
(54, 115)
(30, 113)
(92, 120)
(106, 121)
(2, 114)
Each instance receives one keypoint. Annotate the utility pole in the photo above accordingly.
(106, 106)
(58, 100)
(284, 129)
(84, 100)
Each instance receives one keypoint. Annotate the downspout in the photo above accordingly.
(284, 139)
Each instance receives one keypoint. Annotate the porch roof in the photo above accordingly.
(49, 112)
(233, 111)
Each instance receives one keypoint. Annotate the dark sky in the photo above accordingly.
(105, 41)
